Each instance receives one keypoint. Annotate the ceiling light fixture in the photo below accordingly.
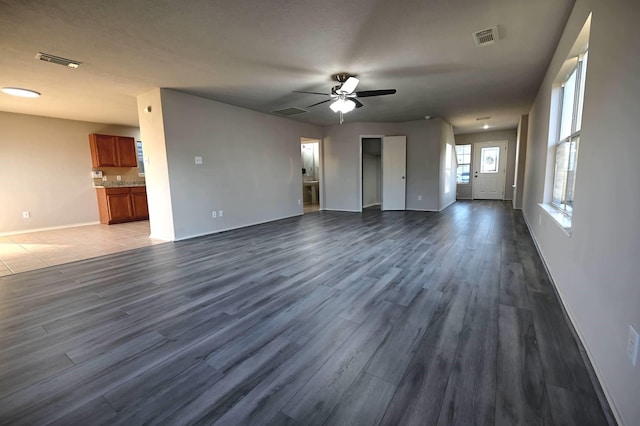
(342, 105)
(24, 93)
(486, 126)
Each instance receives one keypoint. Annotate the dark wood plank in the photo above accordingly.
(364, 403)
(521, 397)
(331, 317)
(561, 360)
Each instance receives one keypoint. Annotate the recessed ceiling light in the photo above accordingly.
(486, 126)
(16, 91)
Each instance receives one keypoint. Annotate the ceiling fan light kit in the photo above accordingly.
(343, 105)
(345, 95)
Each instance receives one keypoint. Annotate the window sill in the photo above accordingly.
(559, 218)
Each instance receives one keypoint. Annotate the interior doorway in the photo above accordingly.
(371, 172)
(394, 171)
(489, 170)
(311, 167)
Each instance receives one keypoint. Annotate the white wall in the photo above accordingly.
(596, 269)
(156, 168)
(466, 191)
(45, 166)
(342, 159)
(520, 160)
(447, 166)
(251, 164)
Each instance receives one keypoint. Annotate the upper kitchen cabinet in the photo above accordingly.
(113, 151)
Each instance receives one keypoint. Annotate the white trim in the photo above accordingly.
(419, 210)
(48, 228)
(371, 205)
(574, 324)
(342, 210)
(217, 231)
(562, 220)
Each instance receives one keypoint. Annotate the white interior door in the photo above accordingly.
(394, 172)
(489, 170)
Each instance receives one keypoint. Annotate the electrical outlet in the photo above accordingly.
(632, 345)
(419, 197)
(26, 215)
(118, 178)
(220, 213)
(298, 201)
(213, 214)
(104, 178)
(198, 160)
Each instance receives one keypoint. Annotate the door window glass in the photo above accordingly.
(490, 158)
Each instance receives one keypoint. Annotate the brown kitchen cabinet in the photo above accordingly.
(124, 204)
(139, 203)
(113, 151)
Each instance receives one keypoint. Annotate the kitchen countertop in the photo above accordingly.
(119, 184)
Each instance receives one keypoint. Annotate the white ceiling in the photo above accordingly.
(255, 53)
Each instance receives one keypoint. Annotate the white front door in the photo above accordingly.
(489, 170)
(394, 172)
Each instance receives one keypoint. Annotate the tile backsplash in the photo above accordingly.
(128, 174)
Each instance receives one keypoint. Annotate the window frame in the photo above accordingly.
(458, 164)
(563, 202)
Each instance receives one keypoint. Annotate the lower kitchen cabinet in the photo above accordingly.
(124, 204)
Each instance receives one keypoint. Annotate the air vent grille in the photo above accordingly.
(486, 37)
(58, 60)
(289, 111)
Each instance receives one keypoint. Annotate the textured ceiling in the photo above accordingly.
(254, 54)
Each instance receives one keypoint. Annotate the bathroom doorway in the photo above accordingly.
(310, 152)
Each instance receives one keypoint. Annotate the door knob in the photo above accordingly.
(402, 177)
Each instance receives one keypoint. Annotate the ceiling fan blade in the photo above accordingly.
(369, 93)
(312, 93)
(318, 103)
(357, 102)
(348, 86)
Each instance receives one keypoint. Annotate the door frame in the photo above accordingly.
(319, 141)
(474, 152)
(381, 137)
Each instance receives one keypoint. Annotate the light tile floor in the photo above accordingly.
(308, 208)
(35, 250)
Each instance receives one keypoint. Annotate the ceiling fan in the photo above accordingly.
(344, 95)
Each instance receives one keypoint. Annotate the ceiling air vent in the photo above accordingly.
(289, 111)
(486, 37)
(58, 60)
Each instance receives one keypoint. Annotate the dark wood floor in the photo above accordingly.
(394, 318)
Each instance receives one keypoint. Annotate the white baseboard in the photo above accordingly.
(371, 205)
(48, 228)
(569, 313)
(341, 210)
(217, 231)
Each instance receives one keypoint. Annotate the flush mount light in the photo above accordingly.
(486, 126)
(16, 91)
